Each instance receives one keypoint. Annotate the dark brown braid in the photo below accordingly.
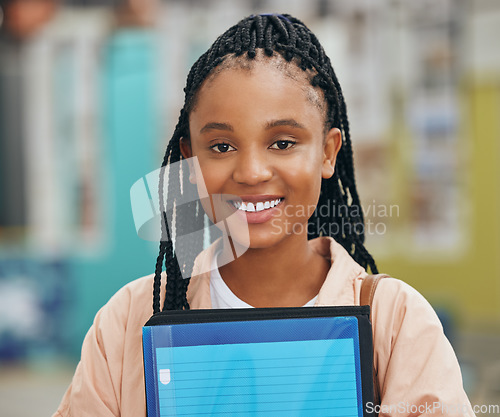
(289, 37)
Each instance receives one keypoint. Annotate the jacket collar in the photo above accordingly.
(338, 288)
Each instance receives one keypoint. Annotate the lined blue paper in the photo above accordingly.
(287, 367)
(314, 377)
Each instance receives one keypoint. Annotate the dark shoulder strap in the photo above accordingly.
(368, 288)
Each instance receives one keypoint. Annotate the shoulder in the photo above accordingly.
(401, 315)
(131, 304)
(396, 298)
(134, 291)
(117, 327)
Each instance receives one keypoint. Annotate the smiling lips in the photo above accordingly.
(256, 207)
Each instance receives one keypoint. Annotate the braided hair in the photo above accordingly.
(268, 35)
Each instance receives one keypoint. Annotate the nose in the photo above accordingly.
(252, 167)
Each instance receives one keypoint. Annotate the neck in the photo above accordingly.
(289, 274)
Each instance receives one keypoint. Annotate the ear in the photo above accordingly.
(185, 146)
(331, 148)
(187, 152)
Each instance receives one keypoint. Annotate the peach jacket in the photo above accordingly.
(417, 368)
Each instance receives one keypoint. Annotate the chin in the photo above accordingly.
(264, 240)
(261, 236)
(255, 240)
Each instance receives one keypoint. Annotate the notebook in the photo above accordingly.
(259, 362)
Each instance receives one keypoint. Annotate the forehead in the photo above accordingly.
(273, 65)
(250, 101)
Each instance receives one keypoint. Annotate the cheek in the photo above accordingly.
(212, 171)
(213, 185)
(214, 176)
(306, 168)
(304, 181)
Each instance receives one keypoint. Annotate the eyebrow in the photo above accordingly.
(216, 126)
(284, 122)
(269, 125)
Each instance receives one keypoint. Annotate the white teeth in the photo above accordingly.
(259, 206)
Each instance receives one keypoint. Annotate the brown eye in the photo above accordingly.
(221, 147)
(283, 144)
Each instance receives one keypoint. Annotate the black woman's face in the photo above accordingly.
(258, 135)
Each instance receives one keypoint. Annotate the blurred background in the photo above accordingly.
(90, 92)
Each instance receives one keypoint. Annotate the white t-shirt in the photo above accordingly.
(223, 297)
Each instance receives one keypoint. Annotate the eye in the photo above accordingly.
(283, 144)
(221, 147)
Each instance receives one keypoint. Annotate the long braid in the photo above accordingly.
(165, 235)
(290, 38)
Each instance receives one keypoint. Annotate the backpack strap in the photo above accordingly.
(368, 288)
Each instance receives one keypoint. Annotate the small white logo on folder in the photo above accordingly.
(164, 376)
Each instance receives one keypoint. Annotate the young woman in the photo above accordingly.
(265, 118)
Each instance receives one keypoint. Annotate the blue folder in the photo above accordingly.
(259, 362)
